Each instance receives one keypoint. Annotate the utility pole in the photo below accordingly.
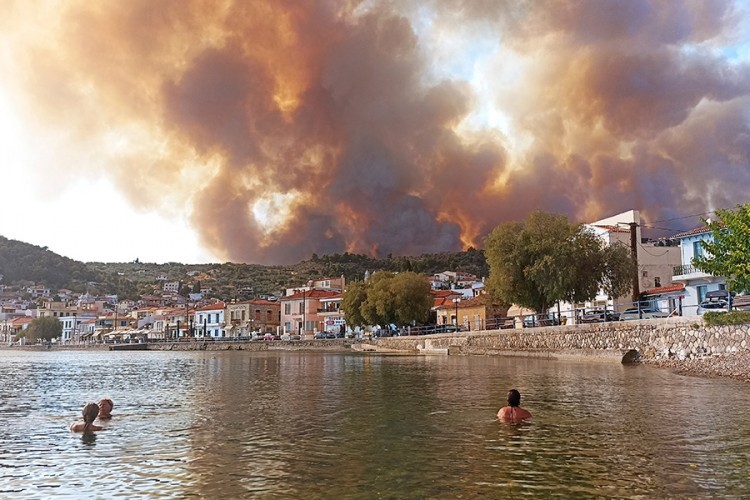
(634, 253)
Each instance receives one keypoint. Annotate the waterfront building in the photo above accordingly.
(301, 311)
(209, 321)
(12, 326)
(475, 313)
(696, 282)
(254, 315)
(331, 314)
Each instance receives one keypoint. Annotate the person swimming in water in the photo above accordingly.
(513, 413)
(105, 408)
(90, 412)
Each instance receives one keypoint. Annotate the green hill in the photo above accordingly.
(21, 262)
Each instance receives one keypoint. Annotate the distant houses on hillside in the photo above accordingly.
(666, 280)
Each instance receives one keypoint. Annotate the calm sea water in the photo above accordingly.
(314, 425)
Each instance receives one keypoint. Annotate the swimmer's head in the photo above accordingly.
(90, 412)
(105, 406)
(514, 398)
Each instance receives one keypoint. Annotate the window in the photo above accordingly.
(287, 308)
(697, 249)
(701, 289)
(301, 307)
(657, 281)
(269, 315)
(257, 314)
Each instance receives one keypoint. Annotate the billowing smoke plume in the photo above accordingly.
(288, 127)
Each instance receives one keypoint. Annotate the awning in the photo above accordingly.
(673, 289)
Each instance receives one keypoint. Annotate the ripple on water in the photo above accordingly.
(241, 425)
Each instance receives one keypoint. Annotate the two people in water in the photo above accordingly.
(90, 412)
(513, 413)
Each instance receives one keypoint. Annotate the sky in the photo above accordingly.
(265, 131)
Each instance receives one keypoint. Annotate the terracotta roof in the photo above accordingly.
(448, 302)
(213, 307)
(263, 302)
(337, 295)
(674, 287)
(697, 230)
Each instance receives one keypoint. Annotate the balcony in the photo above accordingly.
(684, 269)
(687, 272)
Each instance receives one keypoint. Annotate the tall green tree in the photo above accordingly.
(728, 254)
(547, 259)
(46, 328)
(351, 303)
(388, 298)
(378, 308)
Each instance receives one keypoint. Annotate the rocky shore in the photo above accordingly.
(734, 365)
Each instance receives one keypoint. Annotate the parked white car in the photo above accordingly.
(644, 313)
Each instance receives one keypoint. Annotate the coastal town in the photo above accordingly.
(668, 285)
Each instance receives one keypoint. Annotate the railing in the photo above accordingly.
(685, 269)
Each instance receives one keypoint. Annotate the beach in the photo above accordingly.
(730, 365)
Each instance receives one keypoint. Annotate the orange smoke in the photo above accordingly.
(390, 127)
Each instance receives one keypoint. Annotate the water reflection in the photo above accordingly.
(239, 424)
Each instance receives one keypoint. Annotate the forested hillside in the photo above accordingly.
(21, 263)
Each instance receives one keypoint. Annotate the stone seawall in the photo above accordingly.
(671, 338)
(654, 340)
(261, 345)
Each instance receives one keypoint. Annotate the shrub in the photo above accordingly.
(715, 318)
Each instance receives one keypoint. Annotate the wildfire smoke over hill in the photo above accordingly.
(291, 127)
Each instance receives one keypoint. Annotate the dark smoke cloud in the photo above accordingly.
(335, 109)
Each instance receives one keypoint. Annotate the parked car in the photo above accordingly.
(713, 306)
(599, 316)
(320, 335)
(535, 320)
(642, 313)
(269, 336)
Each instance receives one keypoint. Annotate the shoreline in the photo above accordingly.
(734, 366)
(730, 365)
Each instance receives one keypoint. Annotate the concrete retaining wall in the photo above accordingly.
(679, 338)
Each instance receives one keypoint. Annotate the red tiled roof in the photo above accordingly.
(697, 230)
(674, 287)
(337, 295)
(213, 307)
(263, 302)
